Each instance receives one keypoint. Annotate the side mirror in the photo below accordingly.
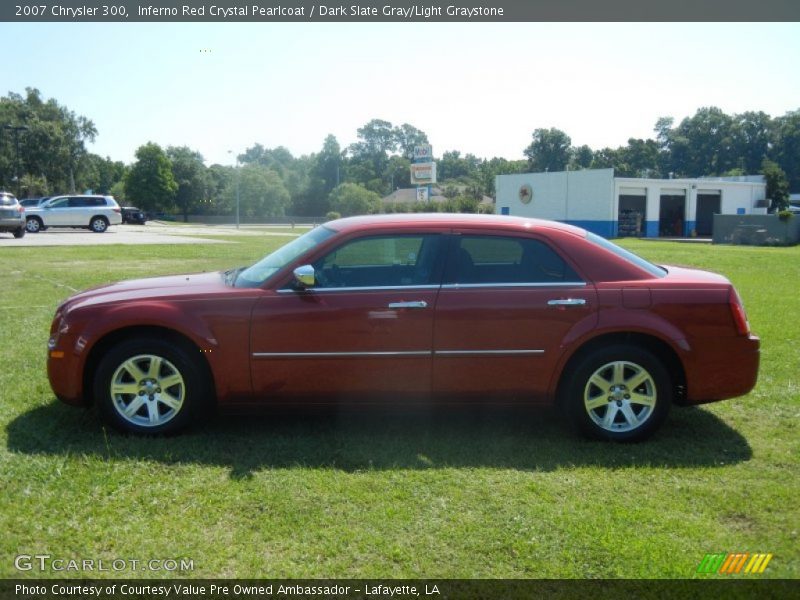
(304, 276)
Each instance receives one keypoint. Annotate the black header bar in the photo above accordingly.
(366, 11)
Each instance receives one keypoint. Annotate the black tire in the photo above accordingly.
(19, 232)
(621, 393)
(34, 225)
(151, 409)
(98, 224)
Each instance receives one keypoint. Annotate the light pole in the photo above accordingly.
(238, 176)
(16, 129)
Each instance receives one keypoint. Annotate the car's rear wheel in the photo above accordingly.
(620, 393)
(98, 224)
(33, 225)
(151, 386)
(19, 232)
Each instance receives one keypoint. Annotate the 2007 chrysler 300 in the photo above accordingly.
(408, 307)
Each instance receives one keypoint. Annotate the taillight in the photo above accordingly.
(21, 208)
(116, 210)
(737, 310)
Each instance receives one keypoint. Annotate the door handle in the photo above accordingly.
(413, 304)
(566, 302)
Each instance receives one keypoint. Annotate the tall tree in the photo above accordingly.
(787, 147)
(549, 150)
(261, 192)
(352, 199)
(777, 185)
(190, 174)
(150, 183)
(52, 148)
(407, 136)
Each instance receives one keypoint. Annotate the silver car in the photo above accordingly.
(12, 215)
(95, 213)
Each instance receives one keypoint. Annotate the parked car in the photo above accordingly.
(12, 215)
(95, 213)
(29, 202)
(131, 214)
(409, 307)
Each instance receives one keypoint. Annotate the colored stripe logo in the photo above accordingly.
(734, 563)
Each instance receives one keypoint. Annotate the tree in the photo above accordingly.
(190, 174)
(777, 185)
(261, 192)
(581, 157)
(52, 148)
(549, 150)
(150, 183)
(406, 137)
(351, 199)
(787, 146)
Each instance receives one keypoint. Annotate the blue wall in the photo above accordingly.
(607, 229)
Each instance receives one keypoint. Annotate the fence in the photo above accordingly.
(756, 230)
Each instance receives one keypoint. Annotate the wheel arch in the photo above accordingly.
(111, 338)
(660, 348)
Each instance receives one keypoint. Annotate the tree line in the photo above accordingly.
(43, 152)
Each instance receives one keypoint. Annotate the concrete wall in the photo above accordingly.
(756, 230)
(590, 198)
(582, 198)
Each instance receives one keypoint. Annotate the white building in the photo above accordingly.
(624, 206)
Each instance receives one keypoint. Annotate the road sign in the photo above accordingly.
(423, 173)
(423, 154)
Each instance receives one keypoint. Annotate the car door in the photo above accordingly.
(57, 213)
(507, 304)
(364, 328)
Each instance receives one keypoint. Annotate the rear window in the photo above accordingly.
(6, 200)
(629, 256)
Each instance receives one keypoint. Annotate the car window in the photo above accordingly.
(60, 203)
(381, 261)
(7, 201)
(635, 259)
(258, 273)
(496, 260)
(83, 202)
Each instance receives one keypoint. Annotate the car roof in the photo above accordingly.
(454, 220)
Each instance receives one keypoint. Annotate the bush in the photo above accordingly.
(332, 216)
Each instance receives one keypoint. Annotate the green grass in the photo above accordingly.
(439, 493)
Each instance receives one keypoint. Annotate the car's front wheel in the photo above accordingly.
(620, 393)
(98, 224)
(151, 386)
(33, 225)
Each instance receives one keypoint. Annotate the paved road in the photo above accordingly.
(154, 232)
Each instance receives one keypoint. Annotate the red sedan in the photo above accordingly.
(463, 307)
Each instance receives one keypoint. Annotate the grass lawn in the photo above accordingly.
(440, 494)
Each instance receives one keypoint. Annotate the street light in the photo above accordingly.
(238, 176)
(16, 129)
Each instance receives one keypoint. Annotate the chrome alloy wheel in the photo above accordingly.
(620, 396)
(147, 390)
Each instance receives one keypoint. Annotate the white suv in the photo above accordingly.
(88, 212)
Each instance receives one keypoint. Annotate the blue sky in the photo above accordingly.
(476, 87)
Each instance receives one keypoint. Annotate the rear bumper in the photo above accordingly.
(722, 368)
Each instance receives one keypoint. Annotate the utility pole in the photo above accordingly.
(16, 129)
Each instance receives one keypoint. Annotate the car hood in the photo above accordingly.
(174, 287)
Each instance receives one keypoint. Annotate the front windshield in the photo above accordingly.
(272, 263)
